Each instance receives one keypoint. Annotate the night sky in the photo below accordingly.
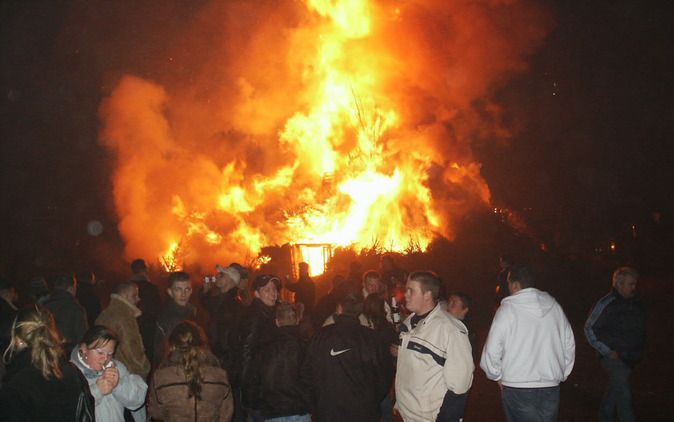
(592, 121)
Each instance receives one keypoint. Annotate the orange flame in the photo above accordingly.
(346, 123)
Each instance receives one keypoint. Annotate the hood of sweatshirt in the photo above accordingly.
(532, 301)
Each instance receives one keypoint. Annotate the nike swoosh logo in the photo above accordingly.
(333, 353)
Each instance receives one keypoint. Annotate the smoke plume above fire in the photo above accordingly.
(315, 121)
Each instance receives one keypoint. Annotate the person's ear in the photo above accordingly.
(170, 292)
(257, 294)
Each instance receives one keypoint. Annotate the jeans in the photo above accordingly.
(531, 404)
(294, 418)
(618, 395)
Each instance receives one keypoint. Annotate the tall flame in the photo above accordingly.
(346, 123)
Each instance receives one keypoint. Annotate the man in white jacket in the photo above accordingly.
(530, 349)
(435, 362)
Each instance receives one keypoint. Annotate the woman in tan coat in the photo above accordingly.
(190, 385)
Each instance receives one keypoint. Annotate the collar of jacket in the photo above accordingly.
(136, 312)
(431, 315)
(172, 308)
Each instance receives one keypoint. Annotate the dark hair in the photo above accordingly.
(177, 276)
(523, 275)
(508, 259)
(85, 277)
(138, 265)
(374, 310)
(264, 279)
(429, 282)
(351, 303)
(466, 300)
(99, 335)
(125, 286)
(6, 284)
(63, 282)
(190, 341)
(371, 274)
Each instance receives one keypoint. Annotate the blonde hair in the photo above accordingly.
(189, 340)
(36, 328)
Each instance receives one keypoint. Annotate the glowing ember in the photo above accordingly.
(347, 123)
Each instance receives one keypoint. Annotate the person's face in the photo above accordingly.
(180, 292)
(627, 287)
(415, 299)
(132, 295)
(221, 281)
(98, 355)
(455, 307)
(371, 285)
(268, 294)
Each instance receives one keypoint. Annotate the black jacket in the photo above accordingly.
(305, 292)
(276, 375)
(258, 327)
(86, 296)
(225, 313)
(149, 305)
(7, 315)
(619, 323)
(27, 396)
(347, 372)
(168, 318)
(69, 316)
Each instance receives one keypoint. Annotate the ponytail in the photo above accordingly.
(188, 340)
(36, 328)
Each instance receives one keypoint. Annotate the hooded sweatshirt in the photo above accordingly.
(530, 343)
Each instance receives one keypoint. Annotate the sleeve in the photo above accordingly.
(131, 390)
(227, 407)
(154, 408)
(307, 374)
(459, 366)
(492, 353)
(590, 333)
(569, 347)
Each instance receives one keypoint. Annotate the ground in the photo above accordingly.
(581, 393)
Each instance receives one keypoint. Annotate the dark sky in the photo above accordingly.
(593, 119)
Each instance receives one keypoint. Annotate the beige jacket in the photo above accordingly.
(121, 316)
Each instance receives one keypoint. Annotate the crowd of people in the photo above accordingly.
(380, 343)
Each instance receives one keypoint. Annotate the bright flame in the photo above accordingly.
(346, 123)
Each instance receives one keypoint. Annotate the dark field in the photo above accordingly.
(653, 387)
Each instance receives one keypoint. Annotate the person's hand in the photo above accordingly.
(394, 350)
(104, 385)
(111, 375)
(614, 355)
(500, 385)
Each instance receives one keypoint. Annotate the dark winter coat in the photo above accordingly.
(618, 324)
(347, 372)
(86, 296)
(7, 314)
(258, 327)
(225, 311)
(168, 318)
(27, 396)
(150, 303)
(276, 375)
(169, 398)
(305, 293)
(69, 316)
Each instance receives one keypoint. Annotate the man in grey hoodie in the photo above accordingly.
(530, 349)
